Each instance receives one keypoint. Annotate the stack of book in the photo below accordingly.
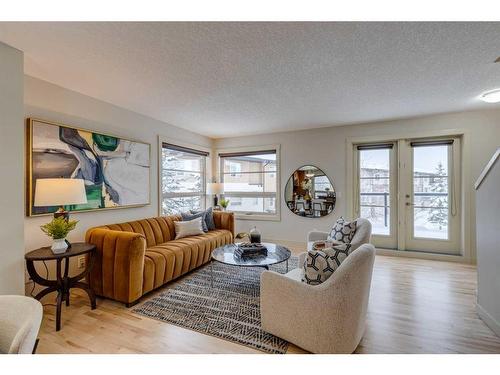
(250, 250)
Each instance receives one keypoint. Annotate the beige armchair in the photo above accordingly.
(325, 318)
(362, 235)
(20, 319)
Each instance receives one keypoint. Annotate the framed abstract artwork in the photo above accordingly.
(116, 171)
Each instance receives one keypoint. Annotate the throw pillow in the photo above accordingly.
(343, 231)
(188, 228)
(187, 216)
(209, 218)
(321, 264)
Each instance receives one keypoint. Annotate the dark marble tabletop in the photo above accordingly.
(275, 254)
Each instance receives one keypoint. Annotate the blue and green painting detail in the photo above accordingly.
(115, 170)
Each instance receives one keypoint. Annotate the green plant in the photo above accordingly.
(59, 227)
(224, 202)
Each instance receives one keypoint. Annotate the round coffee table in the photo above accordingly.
(275, 254)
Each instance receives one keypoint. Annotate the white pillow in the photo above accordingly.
(188, 228)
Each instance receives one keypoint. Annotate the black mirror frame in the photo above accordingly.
(289, 203)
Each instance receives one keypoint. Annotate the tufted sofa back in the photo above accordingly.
(156, 230)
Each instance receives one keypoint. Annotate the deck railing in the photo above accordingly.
(386, 206)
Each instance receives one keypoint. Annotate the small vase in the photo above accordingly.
(59, 246)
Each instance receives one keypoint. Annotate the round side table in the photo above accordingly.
(63, 282)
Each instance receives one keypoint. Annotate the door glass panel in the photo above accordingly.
(430, 192)
(374, 189)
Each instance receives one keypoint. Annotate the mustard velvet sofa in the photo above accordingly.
(137, 257)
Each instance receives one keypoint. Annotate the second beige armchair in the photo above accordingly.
(325, 318)
(362, 235)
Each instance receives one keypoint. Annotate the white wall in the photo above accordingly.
(326, 148)
(50, 102)
(11, 170)
(488, 249)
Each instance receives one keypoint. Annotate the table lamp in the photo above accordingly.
(59, 192)
(215, 188)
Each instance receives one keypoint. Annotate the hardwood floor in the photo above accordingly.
(416, 306)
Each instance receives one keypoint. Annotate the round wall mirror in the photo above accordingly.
(309, 192)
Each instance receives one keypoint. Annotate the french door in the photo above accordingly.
(409, 190)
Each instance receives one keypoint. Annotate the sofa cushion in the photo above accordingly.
(172, 259)
(209, 217)
(188, 228)
(188, 216)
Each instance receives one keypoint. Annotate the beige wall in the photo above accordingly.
(326, 148)
(11, 169)
(50, 102)
(488, 249)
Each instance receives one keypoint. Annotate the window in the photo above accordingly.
(250, 181)
(234, 168)
(321, 184)
(182, 179)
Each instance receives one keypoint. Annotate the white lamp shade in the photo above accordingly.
(215, 188)
(59, 192)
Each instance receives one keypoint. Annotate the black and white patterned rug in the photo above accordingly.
(229, 310)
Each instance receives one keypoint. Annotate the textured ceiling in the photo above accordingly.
(226, 79)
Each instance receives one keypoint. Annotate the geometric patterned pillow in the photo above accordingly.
(321, 264)
(343, 231)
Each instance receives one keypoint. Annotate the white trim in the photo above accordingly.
(162, 139)
(255, 216)
(420, 255)
(487, 169)
(467, 247)
(208, 166)
(488, 319)
(453, 243)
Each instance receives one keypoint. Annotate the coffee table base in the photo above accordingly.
(212, 270)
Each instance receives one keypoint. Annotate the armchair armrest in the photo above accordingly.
(316, 235)
(119, 263)
(224, 220)
(302, 258)
(285, 303)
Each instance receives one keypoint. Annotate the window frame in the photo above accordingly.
(241, 215)
(205, 172)
(467, 245)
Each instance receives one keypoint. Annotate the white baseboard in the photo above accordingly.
(488, 319)
(386, 252)
(423, 255)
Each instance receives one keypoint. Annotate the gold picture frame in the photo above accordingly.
(54, 148)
